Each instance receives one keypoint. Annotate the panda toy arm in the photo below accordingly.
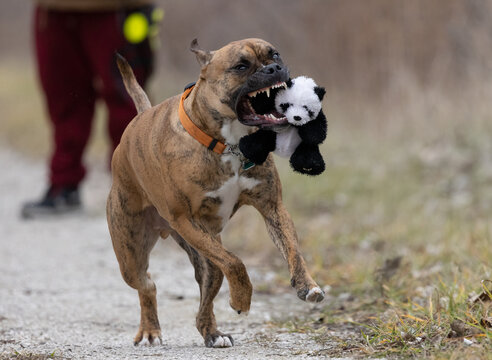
(256, 146)
(314, 132)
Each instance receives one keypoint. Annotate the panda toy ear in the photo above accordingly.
(289, 83)
(320, 91)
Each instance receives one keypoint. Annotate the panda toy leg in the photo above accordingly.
(307, 159)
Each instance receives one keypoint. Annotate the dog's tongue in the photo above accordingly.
(265, 120)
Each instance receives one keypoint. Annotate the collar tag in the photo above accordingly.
(248, 165)
(234, 150)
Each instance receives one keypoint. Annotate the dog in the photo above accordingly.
(178, 172)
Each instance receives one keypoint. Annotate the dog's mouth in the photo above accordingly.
(257, 107)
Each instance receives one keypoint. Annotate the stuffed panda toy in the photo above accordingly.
(300, 103)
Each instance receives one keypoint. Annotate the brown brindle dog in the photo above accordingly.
(165, 182)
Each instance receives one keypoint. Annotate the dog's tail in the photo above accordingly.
(136, 92)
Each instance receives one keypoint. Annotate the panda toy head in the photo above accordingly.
(300, 102)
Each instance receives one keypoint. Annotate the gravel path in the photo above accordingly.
(61, 291)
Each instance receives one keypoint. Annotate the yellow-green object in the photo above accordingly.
(136, 28)
(157, 15)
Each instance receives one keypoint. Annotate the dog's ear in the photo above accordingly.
(320, 91)
(202, 56)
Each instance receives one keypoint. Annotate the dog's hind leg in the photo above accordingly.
(209, 279)
(134, 235)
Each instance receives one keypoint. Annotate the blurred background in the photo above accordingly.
(385, 54)
(405, 204)
(383, 62)
(409, 147)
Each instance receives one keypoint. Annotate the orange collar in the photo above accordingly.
(197, 133)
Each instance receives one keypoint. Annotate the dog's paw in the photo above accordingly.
(314, 294)
(242, 308)
(240, 300)
(148, 338)
(239, 312)
(219, 341)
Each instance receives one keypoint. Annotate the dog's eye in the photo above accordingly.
(284, 106)
(276, 56)
(241, 67)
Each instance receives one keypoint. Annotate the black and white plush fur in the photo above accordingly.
(300, 103)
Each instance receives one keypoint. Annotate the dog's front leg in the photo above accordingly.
(210, 247)
(281, 229)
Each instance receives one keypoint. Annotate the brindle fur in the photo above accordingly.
(160, 178)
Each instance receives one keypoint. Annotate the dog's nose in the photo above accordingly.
(271, 69)
(297, 118)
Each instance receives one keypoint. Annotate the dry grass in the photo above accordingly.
(23, 125)
(26, 355)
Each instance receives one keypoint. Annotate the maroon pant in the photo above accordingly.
(76, 63)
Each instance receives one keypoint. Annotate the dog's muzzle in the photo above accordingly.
(255, 105)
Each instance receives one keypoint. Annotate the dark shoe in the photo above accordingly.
(57, 201)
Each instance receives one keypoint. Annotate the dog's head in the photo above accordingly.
(242, 79)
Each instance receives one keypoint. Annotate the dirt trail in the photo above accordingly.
(61, 291)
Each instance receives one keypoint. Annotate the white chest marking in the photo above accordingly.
(233, 131)
(230, 190)
(229, 193)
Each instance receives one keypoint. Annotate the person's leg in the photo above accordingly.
(67, 82)
(103, 37)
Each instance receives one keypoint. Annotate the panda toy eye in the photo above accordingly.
(284, 106)
(310, 113)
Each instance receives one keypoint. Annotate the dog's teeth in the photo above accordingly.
(250, 106)
(268, 92)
